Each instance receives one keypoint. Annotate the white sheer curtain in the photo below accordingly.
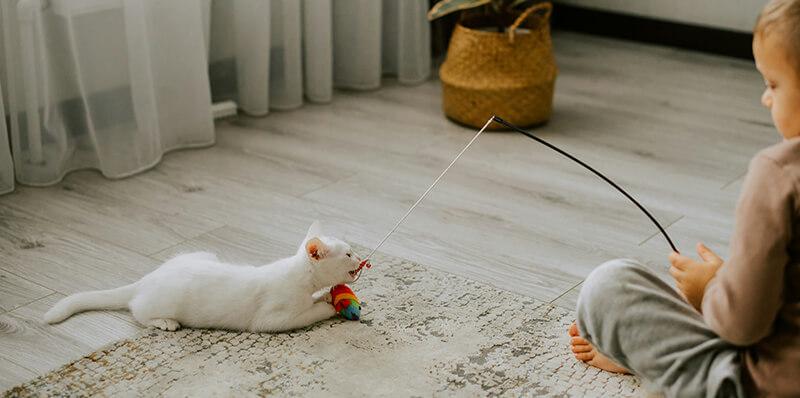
(306, 47)
(114, 84)
(105, 84)
(6, 164)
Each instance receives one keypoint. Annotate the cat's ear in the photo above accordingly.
(316, 249)
(315, 231)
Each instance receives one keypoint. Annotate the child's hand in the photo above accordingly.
(692, 276)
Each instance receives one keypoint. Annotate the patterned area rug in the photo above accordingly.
(422, 333)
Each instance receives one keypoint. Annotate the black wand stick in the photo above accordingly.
(590, 168)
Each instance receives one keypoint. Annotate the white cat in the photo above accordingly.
(197, 290)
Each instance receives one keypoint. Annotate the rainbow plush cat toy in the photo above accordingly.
(345, 302)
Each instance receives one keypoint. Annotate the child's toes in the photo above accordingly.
(585, 356)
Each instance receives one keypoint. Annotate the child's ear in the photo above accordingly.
(315, 231)
(316, 249)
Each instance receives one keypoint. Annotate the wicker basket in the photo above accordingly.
(508, 75)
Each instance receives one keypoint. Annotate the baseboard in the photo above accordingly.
(223, 110)
(650, 30)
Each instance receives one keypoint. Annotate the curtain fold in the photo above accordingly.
(114, 84)
(407, 29)
(357, 44)
(318, 50)
(311, 46)
(6, 164)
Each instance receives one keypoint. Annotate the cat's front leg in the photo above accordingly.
(318, 312)
(323, 295)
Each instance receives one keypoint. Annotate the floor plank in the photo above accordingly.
(26, 340)
(235, 246)
(12, 375)
(80, 205)
(64, 260)
(16, 291)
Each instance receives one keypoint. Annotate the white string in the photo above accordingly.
(366, 260)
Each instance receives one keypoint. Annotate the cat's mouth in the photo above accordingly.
(354, 273)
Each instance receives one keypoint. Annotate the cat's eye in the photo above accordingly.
(348, 254)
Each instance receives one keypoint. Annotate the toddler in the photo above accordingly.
(733, 328)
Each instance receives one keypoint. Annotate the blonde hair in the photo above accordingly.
(783, 17)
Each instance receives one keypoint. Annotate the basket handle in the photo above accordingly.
(547, 6)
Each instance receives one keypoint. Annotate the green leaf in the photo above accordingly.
(445, 7)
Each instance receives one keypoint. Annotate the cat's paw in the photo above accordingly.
(322, 295)
(328, 297)
(325, 310)
(165, 324)
(332, 311)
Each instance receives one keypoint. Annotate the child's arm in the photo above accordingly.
(742, 301)
(692, 276)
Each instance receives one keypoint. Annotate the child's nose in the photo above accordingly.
(766, 99)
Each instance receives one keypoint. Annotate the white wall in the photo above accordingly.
(737, 15)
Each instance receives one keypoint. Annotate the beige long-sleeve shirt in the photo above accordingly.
(754, 300)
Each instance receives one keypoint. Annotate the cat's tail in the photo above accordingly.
(112, 299)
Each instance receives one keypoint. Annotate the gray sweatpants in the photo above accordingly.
(642, 324)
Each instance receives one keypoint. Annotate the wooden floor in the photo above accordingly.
(675, 128)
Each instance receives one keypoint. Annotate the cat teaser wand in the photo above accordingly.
(366, 263)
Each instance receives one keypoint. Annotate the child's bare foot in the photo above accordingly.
(584, 351)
